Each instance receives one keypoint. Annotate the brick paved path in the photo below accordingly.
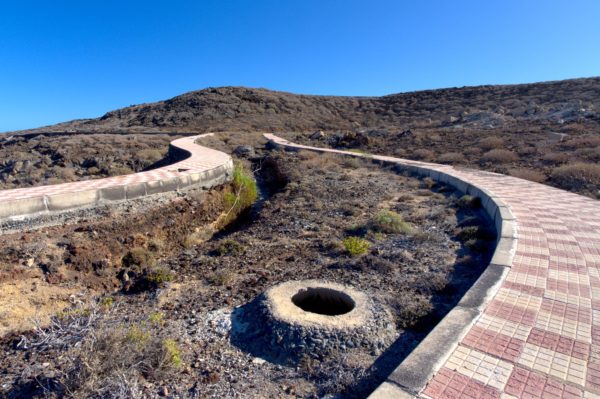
(539, 336)
(200, 160)
(203, 166)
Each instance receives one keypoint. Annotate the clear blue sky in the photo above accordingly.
(61, 60)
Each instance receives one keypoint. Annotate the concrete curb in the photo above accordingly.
(202, 167)
(412, 375)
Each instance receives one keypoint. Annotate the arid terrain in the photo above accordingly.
(33, 161)
(139, 299)
(417, 268)
(544, 132)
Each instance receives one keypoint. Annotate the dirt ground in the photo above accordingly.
(150, 294)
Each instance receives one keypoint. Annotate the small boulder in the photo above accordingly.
(244, 151)
(319, 134)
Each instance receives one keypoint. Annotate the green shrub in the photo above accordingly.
(107, 302)
(156, 318)
(159, 276)
(356, 246)
(244, 187)
(243, 195)
(387, 221)
(137, 335)
(172, 353)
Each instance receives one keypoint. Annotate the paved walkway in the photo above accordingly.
(539, 336)
(201, 159)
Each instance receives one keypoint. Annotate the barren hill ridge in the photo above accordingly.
(249, 109)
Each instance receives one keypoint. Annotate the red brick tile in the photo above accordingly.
(509, 312)
(525, 383)
(458, 386)
(528, 289)
(494, 343)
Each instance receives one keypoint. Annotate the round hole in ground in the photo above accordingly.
(325, 301)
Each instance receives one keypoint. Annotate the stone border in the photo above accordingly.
(279, 300)
(202, 166)
(411, 376)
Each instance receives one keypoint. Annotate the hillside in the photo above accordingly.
(544, 132)
(247, 109)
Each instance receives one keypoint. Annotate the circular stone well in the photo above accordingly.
(314, 317)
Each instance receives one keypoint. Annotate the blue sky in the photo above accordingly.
(62, 60)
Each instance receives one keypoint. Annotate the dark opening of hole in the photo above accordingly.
(323, 301)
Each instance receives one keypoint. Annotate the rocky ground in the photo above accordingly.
(147, 296)
(38, 160)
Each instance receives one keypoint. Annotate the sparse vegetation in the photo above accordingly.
(138, 257)
(356, 246)
(175, 342)
(451, 158)
(159, 276)
(387, 221)
(499, 156)
(230, 247)
(115, 362)
(490, 143)
(577, 176)
(243, 194)
(220, 278)
(107, 302)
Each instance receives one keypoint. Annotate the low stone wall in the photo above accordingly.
(202, 167)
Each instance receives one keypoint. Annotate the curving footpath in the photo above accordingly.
(203, 167)
(530, 326)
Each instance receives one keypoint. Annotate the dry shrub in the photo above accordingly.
(528, 174)
(499, 156)
(423, 154)
(120, 171)
(472, 152)
(589, 154)
(577, 176)
(451, 158)
(527, 151)
(149, 156)
(115, 362)
(138, 257)
(409, 307)
(65, 173)
(556, 157)
(490, 143)
(322, 161)
(586, 141)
